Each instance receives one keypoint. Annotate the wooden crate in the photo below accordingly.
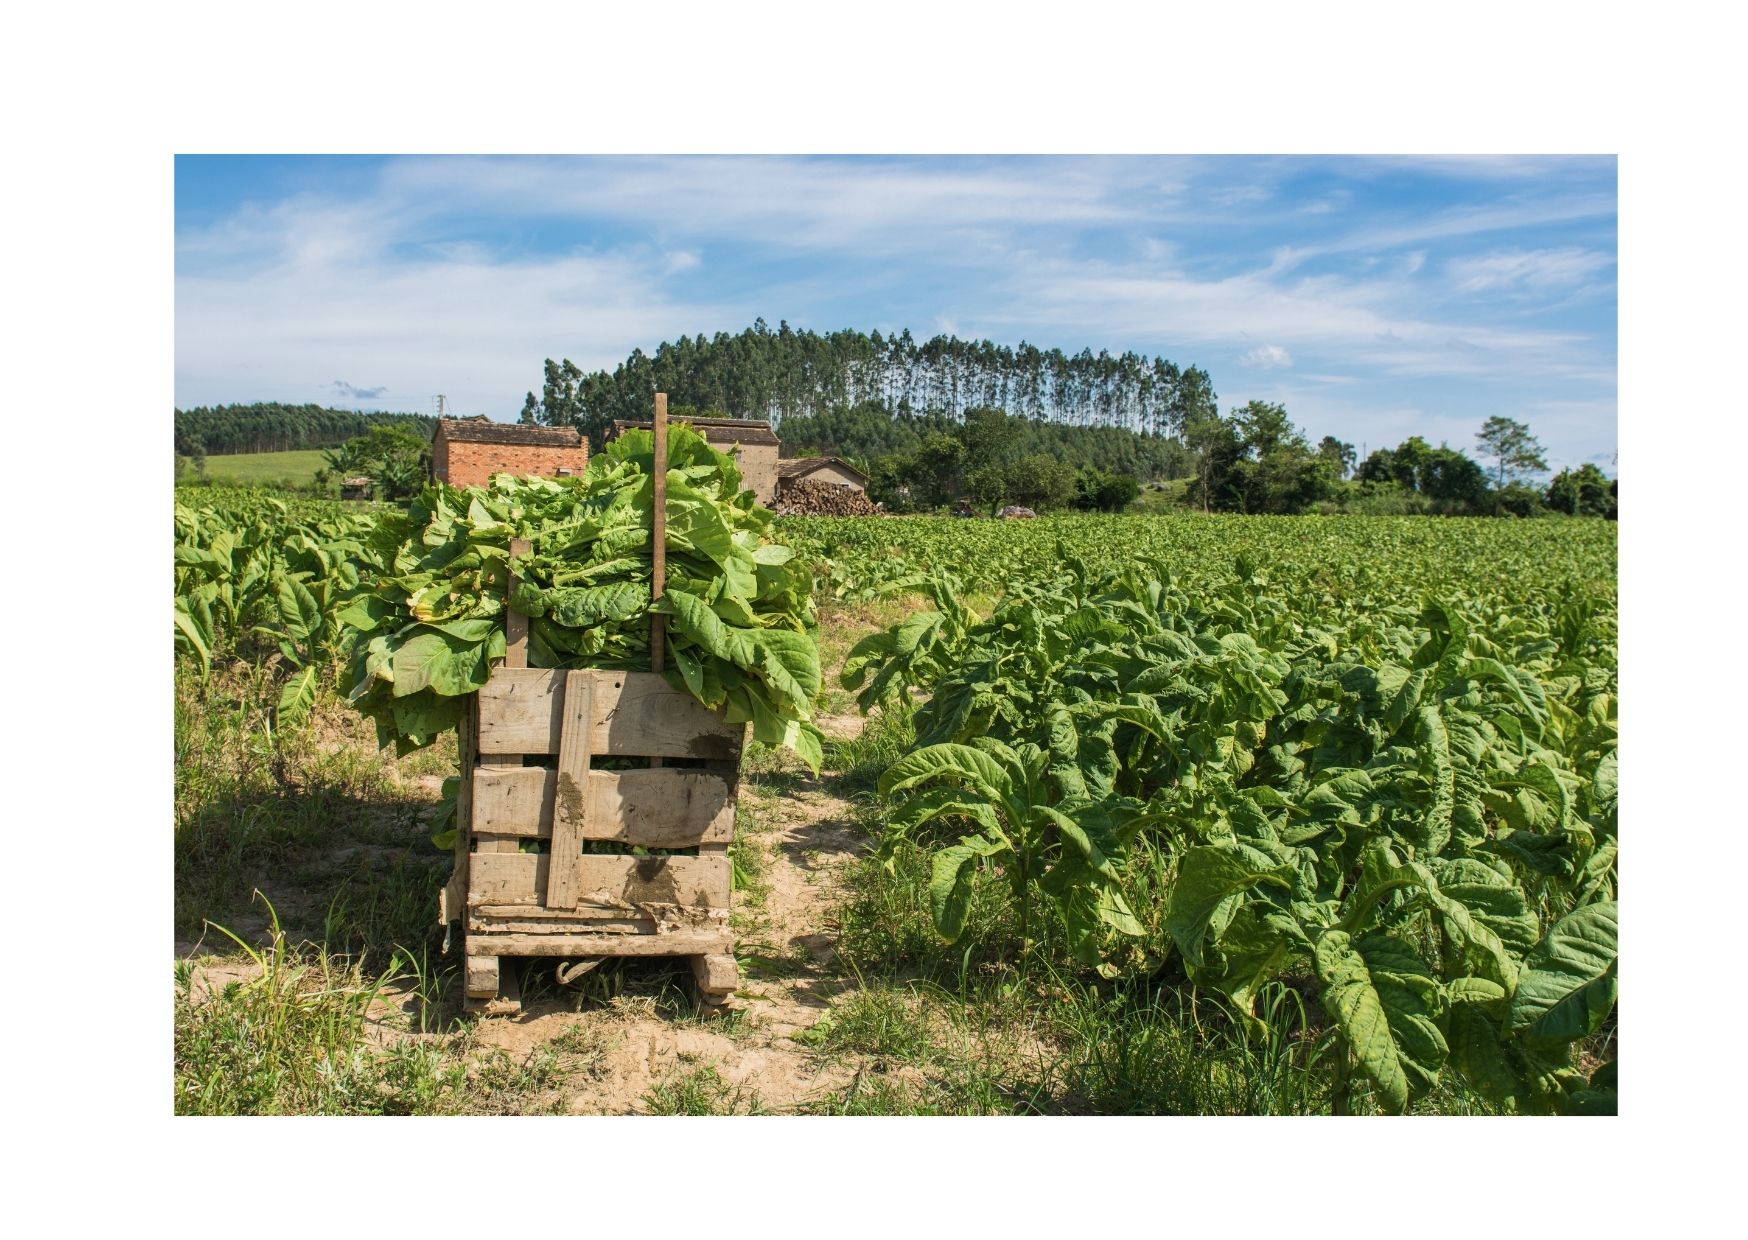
(549, 807)
(529, 745)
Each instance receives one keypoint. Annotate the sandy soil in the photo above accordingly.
(612, 1053)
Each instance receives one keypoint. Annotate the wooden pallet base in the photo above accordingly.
(490, 970)
(506, 996)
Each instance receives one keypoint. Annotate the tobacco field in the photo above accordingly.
(1223, 814)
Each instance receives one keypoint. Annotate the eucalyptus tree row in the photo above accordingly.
(761, 373)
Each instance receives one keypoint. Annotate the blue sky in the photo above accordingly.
(1374, 297)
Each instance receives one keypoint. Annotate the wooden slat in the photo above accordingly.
(598, 944)
(515, 623)
(695, 882)
(633, 714)
(653, 809)
(550, 917)
(570, 809)
(506, 878)
(520, 878)
(450, 907)
(571, 924)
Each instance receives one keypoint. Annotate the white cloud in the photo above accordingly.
(1371, 324)
(452, 322)
(1527, 269)
(833, 204)
(1456, 222)
(1266, 357)
(271, 303)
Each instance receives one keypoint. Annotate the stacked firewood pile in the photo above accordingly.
(808, 498)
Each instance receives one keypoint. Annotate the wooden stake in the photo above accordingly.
(570, 809)
(658, 577)
(515, 623)
(659, 551)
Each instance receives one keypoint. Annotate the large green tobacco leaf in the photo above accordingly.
(959, 764)
(950, 889)
(1568, 985)
(1380, 994)
(296, 698)
(1206, 878)
(1476, 1042)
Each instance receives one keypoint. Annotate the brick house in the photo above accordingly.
(468, 451)
(828, 469)
(753, 445)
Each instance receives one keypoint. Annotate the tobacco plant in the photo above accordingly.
(1414, 807)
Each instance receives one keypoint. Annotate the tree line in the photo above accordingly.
(1254, 460)
(268, 426)
(784, 374)
(897, 408)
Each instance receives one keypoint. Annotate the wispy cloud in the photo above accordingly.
(1266, 357)
(1534, 269)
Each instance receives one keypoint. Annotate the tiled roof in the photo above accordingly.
(803, 465)
(716, 430)
(484, 430)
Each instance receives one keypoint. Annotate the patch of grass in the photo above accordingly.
(661, 985)
(859, 762)
(747, 859)
(1147, 1050)
(882, 1022)
(296, 1039)
(700, 1091)
(499, 1085)
(841, 626)
(888, 931)
(385, 902)
(257, 806)
(289, 469)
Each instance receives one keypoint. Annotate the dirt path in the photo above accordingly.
(805, 836)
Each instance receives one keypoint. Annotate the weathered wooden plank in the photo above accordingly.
(570, 809)
(654, 809)
(520, 878)
(598, 944)
(506, 878)
(633, 714)
(572, 923)
(482, 973)
(550, 918)
(693, 882)
(454, 898)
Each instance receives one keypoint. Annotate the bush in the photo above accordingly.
(1097, 491)
(1517, 499)
(1375, 499)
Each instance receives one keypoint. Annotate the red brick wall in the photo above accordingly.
(470, 464)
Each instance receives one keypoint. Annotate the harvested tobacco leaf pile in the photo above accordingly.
(740, 612)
